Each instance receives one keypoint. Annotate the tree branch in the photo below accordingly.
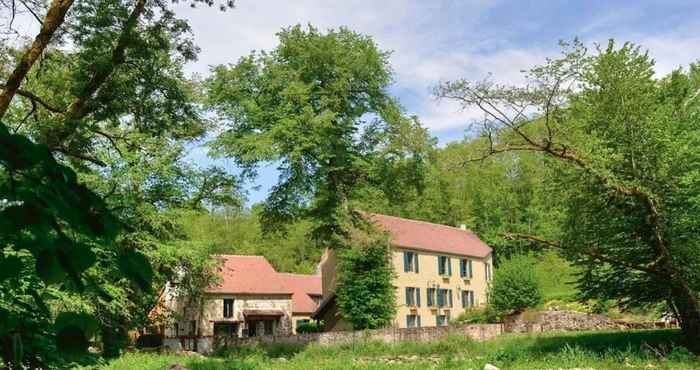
(78, 108)
(81, 156)
(31, 96)
(54, 18)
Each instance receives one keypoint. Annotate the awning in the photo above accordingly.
(262, 313)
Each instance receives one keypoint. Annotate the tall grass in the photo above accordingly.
(658, 349)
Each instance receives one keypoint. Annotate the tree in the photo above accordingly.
(623, 147)
(318, 105)
(365, 294)
(515, 286)
(74, 221)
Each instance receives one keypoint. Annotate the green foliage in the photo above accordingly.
(515, 286)
(305, 105)
(599, 350)
(365, 294)
(478, 316)
(233, 231)
(91, 162)
(621, 148)
(309, 327)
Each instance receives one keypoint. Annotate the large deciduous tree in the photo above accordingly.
(92, 140)
(318, 106)
(623, 145)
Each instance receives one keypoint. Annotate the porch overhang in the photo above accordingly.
(262, 314)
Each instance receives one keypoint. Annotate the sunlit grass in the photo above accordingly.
(656, 349)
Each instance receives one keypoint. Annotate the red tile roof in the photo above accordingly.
(431, 237)
(248, 275)
(303, 286)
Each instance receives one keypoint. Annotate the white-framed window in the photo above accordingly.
(410, 262)
(468, 299)
(228, 307)
(444, 265)
(412, 296)
(465, 268)
(413, 321)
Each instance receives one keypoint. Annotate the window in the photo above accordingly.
(444, 297)
(467, 298)
(269, 324)
(413, 321)
(410, 261)
(228, 307)
(487, 269)
(465, 268)
(444, 266)
(442, 320)
(228, 329)
(431, 296)
(412, 296)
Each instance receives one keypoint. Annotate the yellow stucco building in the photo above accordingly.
(441, 271)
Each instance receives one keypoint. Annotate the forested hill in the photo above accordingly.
(497, 195)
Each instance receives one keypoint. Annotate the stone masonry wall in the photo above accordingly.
(477, 332)
(554, 321)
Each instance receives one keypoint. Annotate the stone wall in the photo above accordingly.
(477, 332)
(558, 321)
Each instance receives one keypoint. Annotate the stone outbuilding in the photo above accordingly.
(251, 299)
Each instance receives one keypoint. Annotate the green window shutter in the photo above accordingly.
(469, 265)
(418, 321)
(440, 265)
(418, 297)
(405, 261)
(430, 296)
(415, 263)
(408, 296)
(449, 266)
(462, 267)
(408, 321)
(450, 298)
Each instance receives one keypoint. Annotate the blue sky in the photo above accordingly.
(433, 41)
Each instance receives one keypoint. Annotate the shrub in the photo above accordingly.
(478, 316)
(365, 293)
(309, 327)
(515, 286)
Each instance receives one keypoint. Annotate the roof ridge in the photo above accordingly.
(425, 222)
(298, 274)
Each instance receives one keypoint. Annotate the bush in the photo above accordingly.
(515, 286)
(309, 327)
(365, 293)
(478, 316)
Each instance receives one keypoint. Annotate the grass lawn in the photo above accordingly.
(591, 350)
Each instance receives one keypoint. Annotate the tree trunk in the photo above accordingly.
(686, 304)
(54, 18)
